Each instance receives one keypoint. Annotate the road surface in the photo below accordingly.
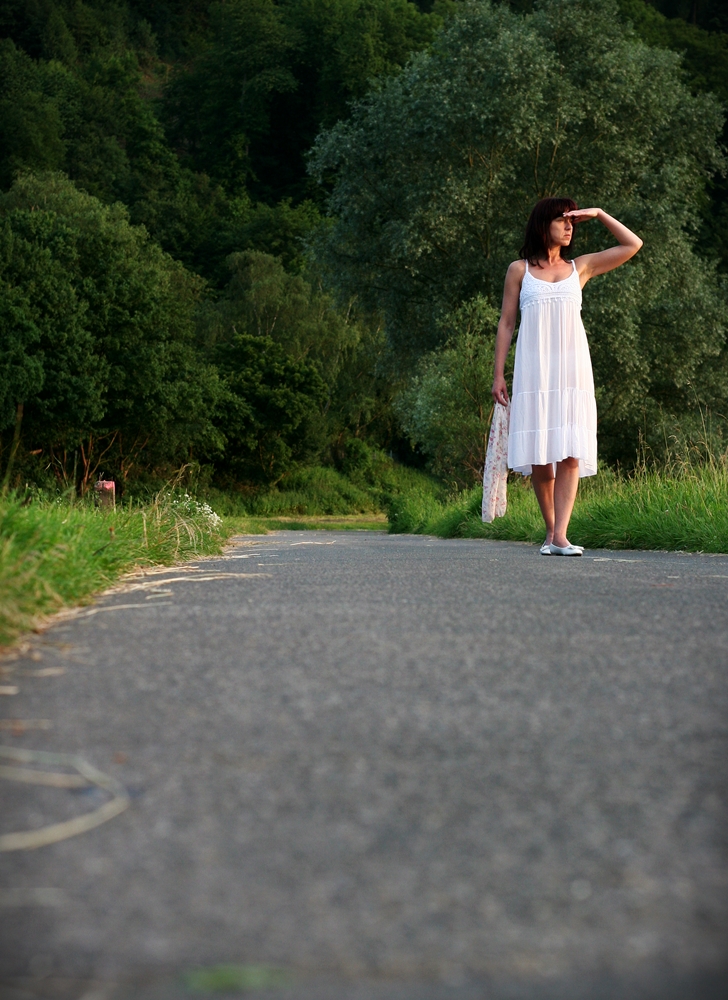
(399, 768)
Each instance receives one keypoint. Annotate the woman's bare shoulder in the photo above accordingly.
(515, 272)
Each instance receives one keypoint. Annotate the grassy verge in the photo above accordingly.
(348, 522)
(56, 554)
(322, 492)
(682, 509)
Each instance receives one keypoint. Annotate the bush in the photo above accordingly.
(324, 491)
(447, 406)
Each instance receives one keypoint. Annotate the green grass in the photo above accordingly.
(342, 522)
(323, 492)
(684, 508)
(55, 554)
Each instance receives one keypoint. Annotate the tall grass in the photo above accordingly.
(683, 506)
(56, 553)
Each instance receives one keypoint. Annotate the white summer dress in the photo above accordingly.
(553, 409)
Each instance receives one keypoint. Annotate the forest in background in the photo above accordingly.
(185, 283)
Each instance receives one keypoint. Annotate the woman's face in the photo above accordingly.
(561, 231)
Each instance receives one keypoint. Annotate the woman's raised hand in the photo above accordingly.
(591, 264)
(500, 391)
(582, 214)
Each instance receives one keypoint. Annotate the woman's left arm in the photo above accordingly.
(591, 264)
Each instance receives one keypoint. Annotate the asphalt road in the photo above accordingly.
(398, 767)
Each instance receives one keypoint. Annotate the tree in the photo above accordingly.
(705, 57)
(266, 407)
(52, 380)
(436, 171)
(107, 324)
(709, 14)
(220, 107)
(82, 91)
(447, 406)
(249, 105)
(265, 300)
(300, 322)
(31, 129)
(345, 44)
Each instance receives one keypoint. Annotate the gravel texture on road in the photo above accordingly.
(398, 767)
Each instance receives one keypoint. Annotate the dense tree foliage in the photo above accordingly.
(436, 172)
(268, 404)
(107, 321)
(337, 355)
(187, 146)
(708, 14)
(248, 107)
(447, 405)
(158, 305)
(705, 57)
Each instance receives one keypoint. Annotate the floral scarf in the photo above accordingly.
(495, 472)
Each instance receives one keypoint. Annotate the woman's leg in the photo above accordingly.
(565, 486)
(542, 480)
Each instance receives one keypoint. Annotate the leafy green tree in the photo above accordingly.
(447, 406)
(710, 15)
(345, 44)
(270, 74)
(52, 381)
(221, 107)
(31, 128)
(264, 300)
(436, 172)
(108, 321)
(266, 408)
(176, 27)
(705, 58)
(201, 226)
(80, 86)
(67, 30)
(88, 115)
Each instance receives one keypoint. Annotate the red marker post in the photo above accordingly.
(106, 490)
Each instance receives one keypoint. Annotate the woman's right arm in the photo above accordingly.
(506, 326)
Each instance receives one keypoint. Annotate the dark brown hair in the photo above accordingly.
(536, 241)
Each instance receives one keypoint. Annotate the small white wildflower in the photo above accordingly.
(187, 505)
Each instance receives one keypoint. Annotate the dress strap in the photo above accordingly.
(526, 267)
(573, 264)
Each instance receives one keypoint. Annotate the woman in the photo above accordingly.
(553, 424)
